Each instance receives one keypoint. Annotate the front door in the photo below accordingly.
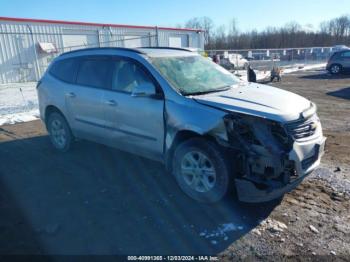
(135, 123)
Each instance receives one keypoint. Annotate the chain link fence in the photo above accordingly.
(266, 59)
(25, 55)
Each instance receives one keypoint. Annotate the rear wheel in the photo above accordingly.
(60, 134)
(335, 69)
(201, 170)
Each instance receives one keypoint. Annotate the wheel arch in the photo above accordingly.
(69, 136)
(180, 137)
(50, 109)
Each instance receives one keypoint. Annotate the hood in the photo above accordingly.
(258, 100)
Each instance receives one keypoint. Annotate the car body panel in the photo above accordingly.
(189, 116)
(134, 124)
(257, 99)
(50, 95)
(85, 112)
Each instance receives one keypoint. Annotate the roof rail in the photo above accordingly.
(104, 48)
(166, 47)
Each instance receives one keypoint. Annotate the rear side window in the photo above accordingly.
(95, 73)
(346, 55)
(65, 70)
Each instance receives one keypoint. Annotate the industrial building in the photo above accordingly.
(27, 46)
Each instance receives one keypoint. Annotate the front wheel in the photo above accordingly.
(59, 132)
(201, 170)
(335, 69)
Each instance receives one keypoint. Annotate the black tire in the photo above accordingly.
(212, 152)
(66, 133)
(335, 69)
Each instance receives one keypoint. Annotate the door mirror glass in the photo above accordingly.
(144, 89)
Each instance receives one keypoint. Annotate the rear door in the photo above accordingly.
(84, 99)
(135, 123)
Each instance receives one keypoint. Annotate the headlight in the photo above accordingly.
(309, 111)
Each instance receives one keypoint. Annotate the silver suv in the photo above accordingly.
(212, 131)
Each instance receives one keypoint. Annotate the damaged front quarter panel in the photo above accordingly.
(184, 119)
(180, 117)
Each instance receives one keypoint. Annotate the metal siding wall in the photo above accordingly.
(194, 39)
(119, 33)
(10, 60)
(18, 62)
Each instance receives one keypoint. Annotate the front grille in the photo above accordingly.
(302, 128)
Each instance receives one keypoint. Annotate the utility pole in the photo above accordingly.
(36, 62)
(157, 37)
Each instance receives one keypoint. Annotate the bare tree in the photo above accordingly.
(204, 23)
(220, 37)
(338, 27)
(292, 34)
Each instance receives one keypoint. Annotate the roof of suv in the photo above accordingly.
(343, 50)
(149, 51)
(160, 52)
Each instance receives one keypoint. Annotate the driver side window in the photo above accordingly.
(127, 75)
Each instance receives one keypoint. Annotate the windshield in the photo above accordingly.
(192, 75)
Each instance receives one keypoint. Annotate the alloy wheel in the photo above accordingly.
(335, 69)
(58, 133)
(198, 171)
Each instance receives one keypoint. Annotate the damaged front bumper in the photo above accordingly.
(305, 155)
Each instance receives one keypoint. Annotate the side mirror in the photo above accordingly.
(146, 89)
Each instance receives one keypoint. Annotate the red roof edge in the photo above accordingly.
(13, 19)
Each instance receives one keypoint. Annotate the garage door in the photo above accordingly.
(178, 41)
(79, 39)
(131, 41)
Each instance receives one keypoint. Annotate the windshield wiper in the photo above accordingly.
(224, 88)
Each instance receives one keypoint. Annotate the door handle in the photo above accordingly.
(111, 103)
(70, 94)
